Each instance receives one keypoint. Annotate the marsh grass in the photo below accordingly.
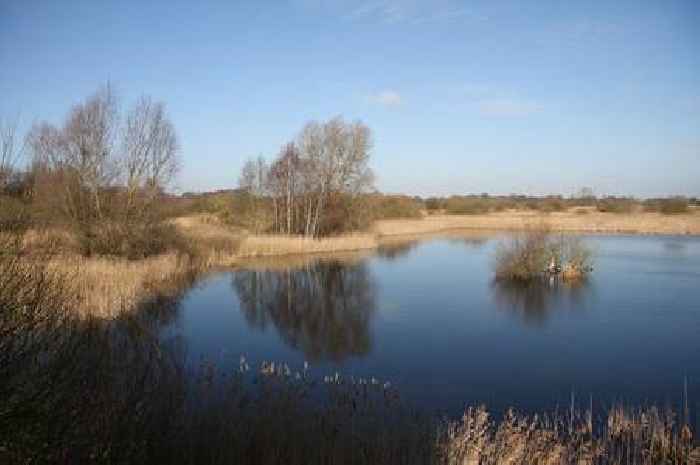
(260, 246)
(591, 221)
(624, 436)
(105, 287)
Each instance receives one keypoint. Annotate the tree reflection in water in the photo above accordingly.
(323, 309)
(535, 301)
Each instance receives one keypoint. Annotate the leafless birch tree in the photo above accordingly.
(11, 151)
(326, 167)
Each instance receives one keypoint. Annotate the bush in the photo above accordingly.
(14, 215)
(530, 254)
(467, 205)
(434, 203)
(526, 256)
(549, 205)
(615, 205)
(130, 240)
(667, 206)
(396, 206)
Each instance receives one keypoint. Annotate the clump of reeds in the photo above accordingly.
(107, 286)
(537, 252)
(639, 436)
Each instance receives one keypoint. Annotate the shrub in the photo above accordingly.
(396, 206)
(616, 205)
(667, 206)
(530, 254)
(467, 205)
(553, 204)
(434, 203)
(14, 214)
(524, 257)
(133, 240)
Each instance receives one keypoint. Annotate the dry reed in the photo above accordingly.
(569, 221)
(106, 286)
(269, 245)
(641, 436)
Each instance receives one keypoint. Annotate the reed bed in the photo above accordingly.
(275, 245)
(105, 287)
(570, 221)
(643, 436)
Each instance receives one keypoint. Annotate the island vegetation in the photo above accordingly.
(537, 253)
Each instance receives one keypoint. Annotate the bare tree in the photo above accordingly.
(336, 156)
(93, 163)
(150, 153)
(283, 177)
(11, 151)
(254, 183)
(327, 168)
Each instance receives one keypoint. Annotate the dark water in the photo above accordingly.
(429, 318)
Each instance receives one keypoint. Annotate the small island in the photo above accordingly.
(538, 253)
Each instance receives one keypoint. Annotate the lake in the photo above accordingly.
(428, 317)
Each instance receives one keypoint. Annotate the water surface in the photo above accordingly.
(428, 317)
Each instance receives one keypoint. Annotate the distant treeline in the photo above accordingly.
(484, 203)
(234, 206)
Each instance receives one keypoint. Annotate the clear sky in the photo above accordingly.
(463, 97)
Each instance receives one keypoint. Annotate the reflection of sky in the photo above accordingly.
(445, 336)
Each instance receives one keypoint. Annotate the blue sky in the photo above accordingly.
(496, 96)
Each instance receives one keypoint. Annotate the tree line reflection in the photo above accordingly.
(323, 309)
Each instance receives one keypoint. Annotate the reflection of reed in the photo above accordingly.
(323, 309)
(534, 300)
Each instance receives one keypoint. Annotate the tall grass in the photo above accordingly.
(571, 221)
(260, 246)
(626, 436)
(105, 287)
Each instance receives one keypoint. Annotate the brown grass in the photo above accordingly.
(273, 245)
(212, 242)
(640, 436)
(570, 221)
(105, 287)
